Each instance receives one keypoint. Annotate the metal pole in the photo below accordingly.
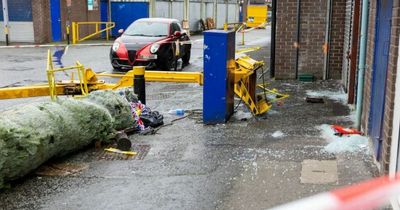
(327, 39)
(139, 83)
(170, 5)
(244, 10)
(68, 22)
(202, 9)
(362, 61)
(109, 32)
(297, 44)
(152, 8)
(226, 11)
(354, 50)
(273, 35)
(68, 33)
(6, 22)
(186, 15)
(215, 12)
(244, 27)
(186, 10)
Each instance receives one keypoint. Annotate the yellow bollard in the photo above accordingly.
(243, 36)
(73, 33)
(225, 26)
(139, 83)
(68, 34)
(77, 33)
(107, 33)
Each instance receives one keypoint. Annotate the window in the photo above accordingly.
(175, 27)
(147, 28)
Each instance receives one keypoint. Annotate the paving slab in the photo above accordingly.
(318, 172)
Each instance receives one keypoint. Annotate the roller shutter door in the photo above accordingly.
(21, 24)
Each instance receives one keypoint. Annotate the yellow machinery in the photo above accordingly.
(244, 73)
(257, 16)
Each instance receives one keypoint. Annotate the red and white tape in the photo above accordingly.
(366, 195)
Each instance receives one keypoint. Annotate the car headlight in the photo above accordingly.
(115, 46)
(154, 48)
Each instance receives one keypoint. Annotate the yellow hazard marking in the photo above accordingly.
(114, 150)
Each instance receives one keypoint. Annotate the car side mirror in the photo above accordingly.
(121, 31)
(184, 33)
(177, 34)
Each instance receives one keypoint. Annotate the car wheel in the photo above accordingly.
(186, 59)
(167, 62)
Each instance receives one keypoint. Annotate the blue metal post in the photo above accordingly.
(218, 90)
(362, 60)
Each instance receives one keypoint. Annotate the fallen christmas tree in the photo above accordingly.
(31, 135)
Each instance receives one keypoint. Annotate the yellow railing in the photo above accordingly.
(76, 30)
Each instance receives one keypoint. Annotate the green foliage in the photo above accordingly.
(32, 134)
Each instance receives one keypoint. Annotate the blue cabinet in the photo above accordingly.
(218, 90)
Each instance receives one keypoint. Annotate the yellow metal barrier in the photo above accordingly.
(151, 76)
(52, 80)
(236, 26)
(76, 28)
(243, 68)
(247, 50)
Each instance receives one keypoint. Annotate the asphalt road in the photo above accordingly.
(238, 165)
(27, 66)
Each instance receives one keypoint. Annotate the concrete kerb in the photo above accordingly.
(54, 45)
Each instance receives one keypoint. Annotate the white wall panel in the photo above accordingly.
(221, 15)
(177, 10)
(19, 32)
(209, 10)
(194, 16)
(162, 9)
(233, 13)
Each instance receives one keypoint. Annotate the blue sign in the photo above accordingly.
(90, 4)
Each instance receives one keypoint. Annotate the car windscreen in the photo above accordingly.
(147, 28)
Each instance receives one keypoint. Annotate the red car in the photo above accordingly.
(157, 43)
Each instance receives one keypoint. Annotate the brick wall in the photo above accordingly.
(79, 13)
(41, 21)
(337, 39)
(347, 42)
(285, 52)
(390, 87)
(313, 23)
(312, 38)
(368, 69)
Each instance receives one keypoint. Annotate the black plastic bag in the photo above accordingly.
(152, 119)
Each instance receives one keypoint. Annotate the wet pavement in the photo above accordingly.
(242, 164)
